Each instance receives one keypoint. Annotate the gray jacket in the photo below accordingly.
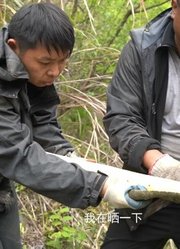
(136, 96)
(28, 128)
(131, 97)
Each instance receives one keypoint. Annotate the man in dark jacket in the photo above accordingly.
(143, 125)
(34, 49)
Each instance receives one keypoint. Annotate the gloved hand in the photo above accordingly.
(117, 190)
(166, 167)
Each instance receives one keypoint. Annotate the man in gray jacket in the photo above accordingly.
(34, 49)
(143, 124)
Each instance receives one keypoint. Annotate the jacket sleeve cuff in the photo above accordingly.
(95, 198)
(137, 152)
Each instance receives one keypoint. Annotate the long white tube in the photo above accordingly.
(151, 183)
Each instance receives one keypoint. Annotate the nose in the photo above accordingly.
(54, 71)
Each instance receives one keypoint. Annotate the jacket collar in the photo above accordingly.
(168, 36)
(152, 33)
(11, 67)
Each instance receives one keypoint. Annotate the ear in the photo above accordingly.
(13, 45)
(174, 7)
(174, 4)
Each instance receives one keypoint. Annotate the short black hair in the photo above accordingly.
(43, 23)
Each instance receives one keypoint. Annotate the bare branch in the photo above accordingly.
(129, 12)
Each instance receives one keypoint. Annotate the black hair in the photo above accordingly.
(43, 23)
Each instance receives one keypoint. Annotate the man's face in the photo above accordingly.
(176, 23)
(42, 66)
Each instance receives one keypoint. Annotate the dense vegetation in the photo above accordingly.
(102, 28)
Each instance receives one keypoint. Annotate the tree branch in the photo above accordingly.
(127, 15)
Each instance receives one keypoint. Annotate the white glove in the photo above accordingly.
(166, 167)
(116, 194)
